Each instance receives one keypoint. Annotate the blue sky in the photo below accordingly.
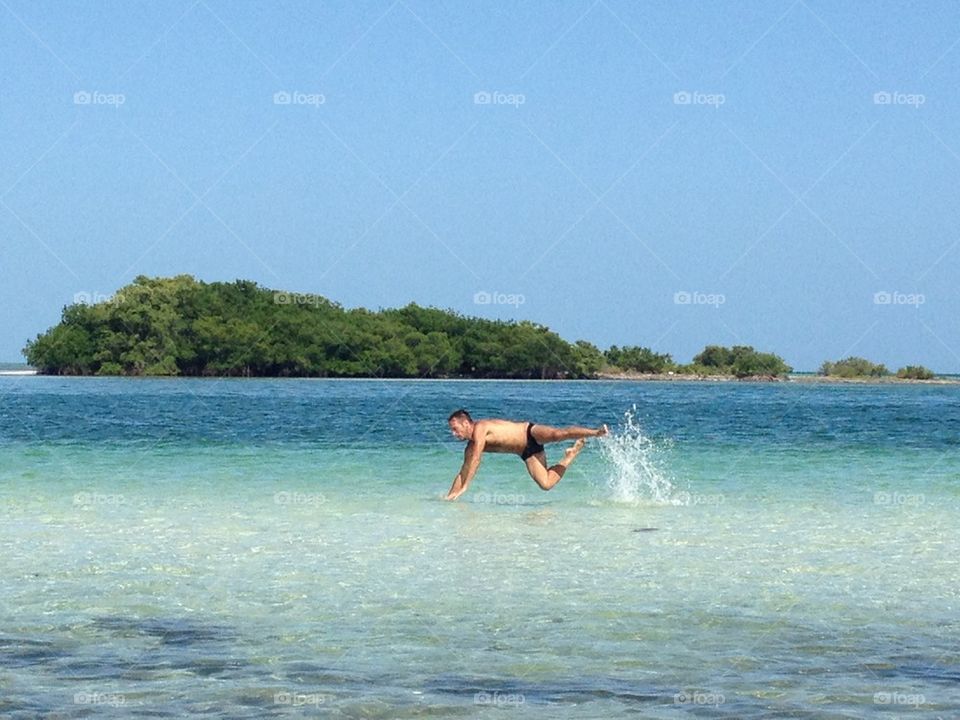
(780, 174)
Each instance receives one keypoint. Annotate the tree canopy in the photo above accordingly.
(915, 372)
(853, 367)
(183, 326)
(740, 360)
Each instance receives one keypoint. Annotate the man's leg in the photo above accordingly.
(546, 434)
(546, 477)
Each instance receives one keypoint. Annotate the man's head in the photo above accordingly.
(461, 424)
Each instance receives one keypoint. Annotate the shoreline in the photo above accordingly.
(602, 376)
(790, 378)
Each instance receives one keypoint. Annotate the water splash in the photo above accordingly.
(636, 464)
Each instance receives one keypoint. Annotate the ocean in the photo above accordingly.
(279, 548)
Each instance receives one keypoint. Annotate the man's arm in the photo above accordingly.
(471, 461)
(456, 490)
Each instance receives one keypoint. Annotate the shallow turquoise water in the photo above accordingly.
(278, 548)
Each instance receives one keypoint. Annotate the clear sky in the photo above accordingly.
(782, 174)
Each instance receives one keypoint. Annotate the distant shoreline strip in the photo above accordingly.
(622, 377)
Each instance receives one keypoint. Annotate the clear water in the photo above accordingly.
(278, 548)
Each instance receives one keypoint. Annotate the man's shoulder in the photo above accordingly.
(482, 427)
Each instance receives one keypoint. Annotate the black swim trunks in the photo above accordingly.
(533, 447)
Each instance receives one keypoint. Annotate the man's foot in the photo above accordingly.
(602, 430)
(571, 452)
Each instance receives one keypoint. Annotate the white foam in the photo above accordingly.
(636, 465)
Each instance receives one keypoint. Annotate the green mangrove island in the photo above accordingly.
(180, 326)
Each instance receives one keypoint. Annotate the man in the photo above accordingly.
(525, 439)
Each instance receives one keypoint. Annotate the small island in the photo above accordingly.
(181, 326)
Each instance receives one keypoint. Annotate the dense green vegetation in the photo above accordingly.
(858, 367)
(639, 359)
(740, 360)
(853, 367)
(181, 326)
(915, 372)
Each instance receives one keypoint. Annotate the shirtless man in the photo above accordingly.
(520, 438)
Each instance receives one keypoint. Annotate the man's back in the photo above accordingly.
(503, 436)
